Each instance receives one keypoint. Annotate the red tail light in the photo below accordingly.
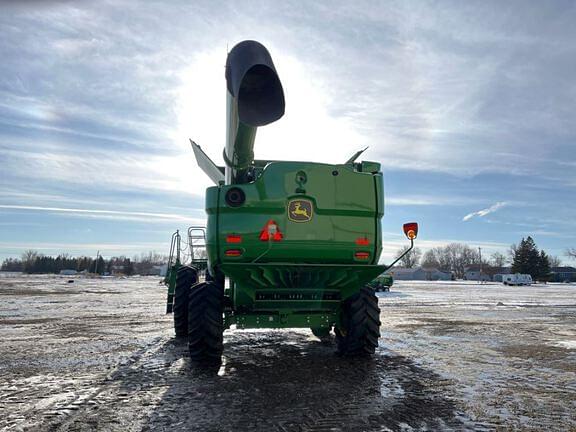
(271, 231)
(362, 241)
(233, 252)
(233, 238)
(362, 255)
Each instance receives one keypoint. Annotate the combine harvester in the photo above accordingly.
(289, 244)
(382, 282)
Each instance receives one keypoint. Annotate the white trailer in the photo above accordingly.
(517, 279)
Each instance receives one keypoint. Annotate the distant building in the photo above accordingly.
(117, 270)
(489, 273)
(400, 273)
(473, 273)
(563, 274)
(420, 273)
(68, 272)
(158, 270)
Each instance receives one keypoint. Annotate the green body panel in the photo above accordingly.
(239, 151)
(306, 287)
(301, 280)
(346, 207)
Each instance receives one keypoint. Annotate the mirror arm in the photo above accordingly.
(401, 256)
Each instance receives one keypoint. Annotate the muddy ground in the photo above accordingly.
(98, 354)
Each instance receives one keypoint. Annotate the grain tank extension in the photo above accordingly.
(289, 244)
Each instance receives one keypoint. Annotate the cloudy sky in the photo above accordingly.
(469, 106)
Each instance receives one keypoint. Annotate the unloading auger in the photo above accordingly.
(289, 244)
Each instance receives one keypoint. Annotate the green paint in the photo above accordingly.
(170, 281)
(313, 267)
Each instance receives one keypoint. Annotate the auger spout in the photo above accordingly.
(254, 98)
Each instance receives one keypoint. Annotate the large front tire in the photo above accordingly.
(206, 323)
(185, 278)
(360, 324)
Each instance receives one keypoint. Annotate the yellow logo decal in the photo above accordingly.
(300, 210)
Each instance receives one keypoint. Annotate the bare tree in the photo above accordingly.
(498, 259)
(512, 252)
(151, 257)
(454, 257)
(461, 256)
(432, 258)
(436, 258)
(145, 263)
(571, 253)
(411, 259)
(29, 256)
(554, 261)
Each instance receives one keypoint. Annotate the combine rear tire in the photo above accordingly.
(185, 278)
(206, 324)
(360, 330)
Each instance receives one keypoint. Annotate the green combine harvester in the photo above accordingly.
(288, 244)
(382, 282)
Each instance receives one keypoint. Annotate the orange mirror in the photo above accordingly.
(411, 230)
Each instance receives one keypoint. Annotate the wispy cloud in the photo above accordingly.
(484, 212)
(108, 214)
(429, 200)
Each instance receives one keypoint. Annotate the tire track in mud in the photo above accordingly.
(272, 381)
(76, 415)
(61, 343)
(54, 401)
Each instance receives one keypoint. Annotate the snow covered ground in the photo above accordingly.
(98, 354)
(510, 351)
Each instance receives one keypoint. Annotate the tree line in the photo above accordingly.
(455, 258)
(33, 262)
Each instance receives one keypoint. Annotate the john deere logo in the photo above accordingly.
(300, 210)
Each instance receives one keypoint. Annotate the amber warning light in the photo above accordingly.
(411, 230)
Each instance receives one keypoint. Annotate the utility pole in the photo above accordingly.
(96, 263)
(480, 254)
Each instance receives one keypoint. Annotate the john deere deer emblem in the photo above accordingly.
(300, 210)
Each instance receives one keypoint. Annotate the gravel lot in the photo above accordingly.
(98, 354)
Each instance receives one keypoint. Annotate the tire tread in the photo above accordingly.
(361, 322)
(206, 323)
(186, 276)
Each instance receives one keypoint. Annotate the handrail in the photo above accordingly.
(197, 243)
(174, 247)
